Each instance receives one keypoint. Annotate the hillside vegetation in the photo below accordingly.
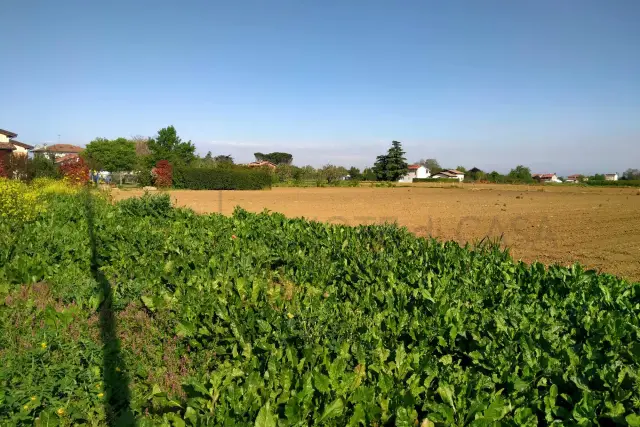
(112, 313)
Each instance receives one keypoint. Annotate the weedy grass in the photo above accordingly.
(257, 319)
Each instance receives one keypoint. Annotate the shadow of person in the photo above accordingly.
(117, 398)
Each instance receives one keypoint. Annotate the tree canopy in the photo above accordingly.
(277, 158)
(631, 174)
(431, 164)
(393, 165)
(167, 145)
(521, 173)
(118, 155)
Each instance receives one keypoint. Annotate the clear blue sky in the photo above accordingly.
(553, 84)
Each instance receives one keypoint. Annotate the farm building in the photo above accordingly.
(59, 150)
(450, 174)
(610, 176)
(546, 177)
(415, 171)
(575, 178)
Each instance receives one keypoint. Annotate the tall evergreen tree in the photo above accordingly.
(393, 165)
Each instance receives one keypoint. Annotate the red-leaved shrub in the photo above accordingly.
(75, 171)
(163, 173)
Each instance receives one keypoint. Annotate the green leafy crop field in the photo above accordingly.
(136, 312)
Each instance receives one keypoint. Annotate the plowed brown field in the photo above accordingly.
(598, 227)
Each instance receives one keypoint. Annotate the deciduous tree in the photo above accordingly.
(167, 145)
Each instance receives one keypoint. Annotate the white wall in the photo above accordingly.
(422, 172)
(4, 138)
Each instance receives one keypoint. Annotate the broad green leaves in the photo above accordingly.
(293, 323)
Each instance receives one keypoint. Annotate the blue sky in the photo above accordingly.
(551, 84)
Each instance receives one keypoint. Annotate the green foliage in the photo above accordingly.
(631, 175)
(118, 155)
(431, 164)
(276, 158)
(449, 180)
(597, 177)
(521, 174)
(238, 178)
(167, 145)
(620, 183)
(393, 165)
(331, 173)
(256, 319)
(43, 166)
(148, 205)
(354, 173)
(368, 174)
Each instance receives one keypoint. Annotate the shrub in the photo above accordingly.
(449, 180)
(223, 179)
(163, 173)
(3, 169)
(19, 202)
(153, 205)
(621, 183)
(75, 172)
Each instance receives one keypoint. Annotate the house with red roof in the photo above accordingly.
(546, 177)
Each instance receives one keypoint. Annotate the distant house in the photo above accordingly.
(546, 177)
(262, 163)
(6, 148)
(449, 174)
(575, 178)
(415, 171)
(610, 176)
(58, 150)
(67, 158)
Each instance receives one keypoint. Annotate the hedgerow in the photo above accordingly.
(257, 319)
(236, 178)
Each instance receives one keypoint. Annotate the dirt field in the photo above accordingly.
(599, 227)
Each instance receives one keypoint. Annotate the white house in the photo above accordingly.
(574, 178)
(610, 176)
(59, 150)
(450, 174)
(19, 148)
(415, 171)
(546, 177)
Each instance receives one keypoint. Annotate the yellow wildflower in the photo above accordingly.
(43, 344)
(290, 316)
(100, 395)
(60, 411)
(33, 398)
(25, 407)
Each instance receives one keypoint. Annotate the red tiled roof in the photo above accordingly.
(261, 163)
(21, 144)
(455, 171)
(543, 175)
(59, 148)
(67, 158)
(6, 146)
(413, 167)
(577, 175)
(8, 133)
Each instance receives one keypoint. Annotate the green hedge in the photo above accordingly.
(221, 179)
(621, 183)
(450, 180)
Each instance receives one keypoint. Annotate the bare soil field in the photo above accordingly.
(598, 227)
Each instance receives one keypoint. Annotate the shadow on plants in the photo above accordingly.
(116, 380)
